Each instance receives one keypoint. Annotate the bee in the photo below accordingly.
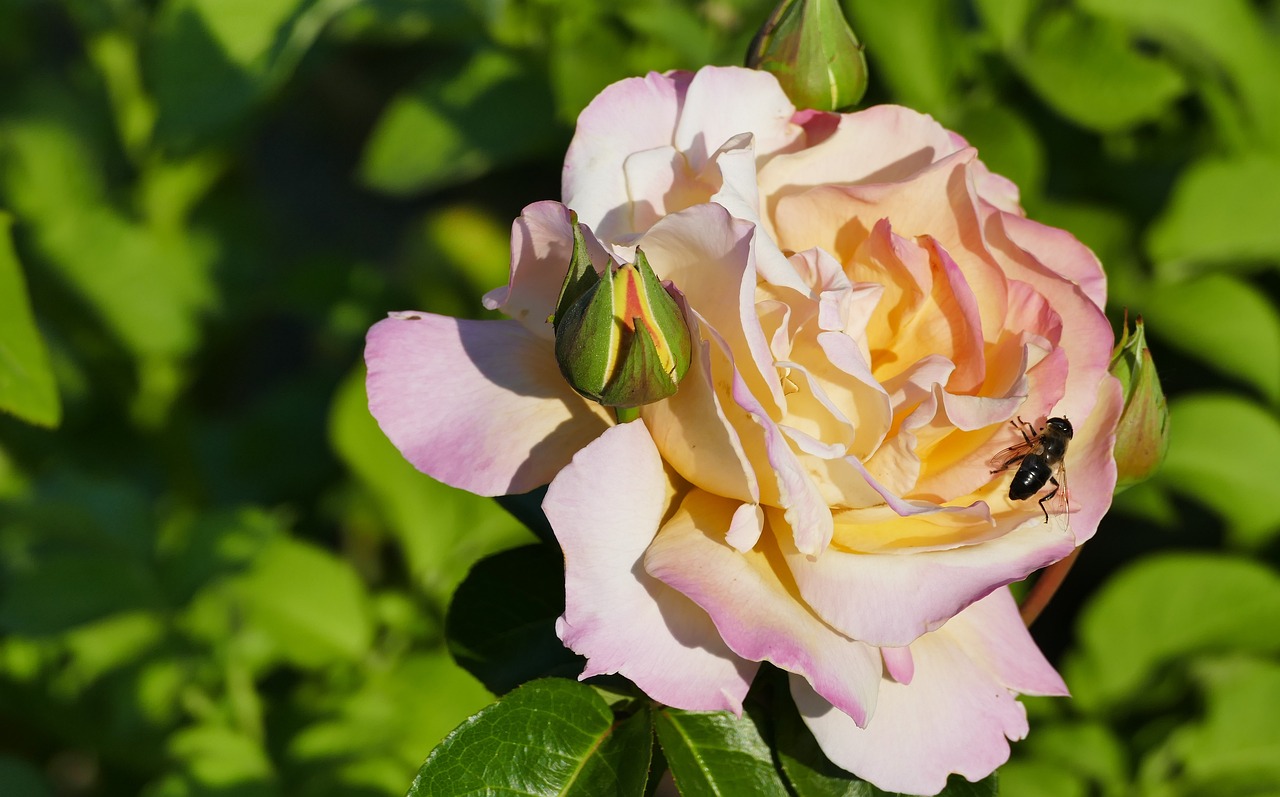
(1040, 456)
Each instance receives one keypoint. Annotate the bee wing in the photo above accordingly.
(1061, 502)
(1010, 455)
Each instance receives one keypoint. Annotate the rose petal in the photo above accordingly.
(696, 437)
(1071, 259)
(892, 598)
(710, 257)
(605, 508)
(630, 116)
(541, 248)
(752, 608)
(955, 716)
(479, 405)
(898, 664)
(883, 144)
(993, 633)
(722, 102)
(1091, 465)
(1086, 333)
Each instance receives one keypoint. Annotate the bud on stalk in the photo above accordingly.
(810, 48)
(621, 338)
(1142, 436)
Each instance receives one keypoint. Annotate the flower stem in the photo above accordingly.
(1046, 585)
(626, 414)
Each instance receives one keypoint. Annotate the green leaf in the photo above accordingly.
(148, 286)
(27, 388)
(1225, 452)
(1089, 750)
(66, 590)
(1237, 328)
(926, 78)
(1232, 751)
(1041, 778)
(214, 758)
(210, 61)
(1163, 609)
(1007, 19)
(1227, 42)
(1007, 144)
(311, 604)
(713, 753)
(392, 717)
(1220, 215)
(491, 111)
(1089, 71)
(19, 779)
(442, 530)
(501, 622)
(549, 737)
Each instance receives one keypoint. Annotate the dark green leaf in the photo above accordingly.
(69, 589)
(491, 111)
(211, 60)
(501, 623)
(27, 388)
(715, 754)
(20, 779)
(549, 737)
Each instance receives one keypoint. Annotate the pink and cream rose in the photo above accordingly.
(870, 308)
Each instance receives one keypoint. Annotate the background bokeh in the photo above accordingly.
(218, 578)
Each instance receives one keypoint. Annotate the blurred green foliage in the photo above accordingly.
(218, 578)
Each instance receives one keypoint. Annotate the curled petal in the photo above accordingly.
(892, 598)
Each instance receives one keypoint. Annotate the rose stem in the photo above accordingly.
(1046, 585)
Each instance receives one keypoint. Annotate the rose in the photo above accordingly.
(870, 310)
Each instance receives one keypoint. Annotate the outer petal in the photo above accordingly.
(754, 611)
(541, 247)
(605, 508)
(1091, 464)
(956, 715)
(479, 405)
(893, 598)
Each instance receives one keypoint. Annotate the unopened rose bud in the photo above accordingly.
(1142, 436)
(810, 48)
(621, 339)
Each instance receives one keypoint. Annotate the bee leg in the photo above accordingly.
(1022, 427)
(1049, 497)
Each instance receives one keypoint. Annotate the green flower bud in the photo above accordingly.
(810, 48)
(1142, 436)
(621, 339)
